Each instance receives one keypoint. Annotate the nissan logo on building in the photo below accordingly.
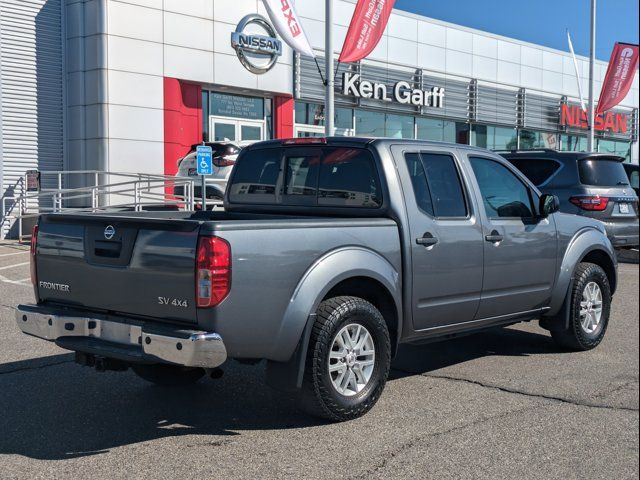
(256, 44)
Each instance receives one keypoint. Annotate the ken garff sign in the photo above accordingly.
(402, 92)
(256, 44)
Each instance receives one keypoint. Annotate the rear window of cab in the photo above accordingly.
(307, 176)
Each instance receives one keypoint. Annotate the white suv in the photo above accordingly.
(224, 158)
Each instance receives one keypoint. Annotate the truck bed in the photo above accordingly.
(147, 269)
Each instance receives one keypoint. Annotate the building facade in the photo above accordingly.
(129, 86)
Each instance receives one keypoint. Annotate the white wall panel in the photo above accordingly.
(277, 80)
(226, 72)
(459, 63)
(136, 156)
(459, 40)
(188, 64)
(402, 27)
(133, 21)
(552, 81)
(136, 123)
(432, 34)
(135, 89)
(135, 55)
(508, 73)
(406, 52)
(508, 51)
(531, 57)
(196, 8)
(431, 57)
(531, 77)
(232, 11)
(485, 46)
(485, 68)
(552, 61)
(186, 31)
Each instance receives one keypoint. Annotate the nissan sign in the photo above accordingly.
(256, 44)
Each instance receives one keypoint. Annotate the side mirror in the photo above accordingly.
(548, 204)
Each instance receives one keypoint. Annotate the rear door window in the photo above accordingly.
(537, 170)
(599, 172)
(447, 196)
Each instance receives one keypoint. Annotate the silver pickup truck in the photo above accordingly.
(329, 254)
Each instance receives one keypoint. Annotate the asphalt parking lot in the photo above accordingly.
(506, 403)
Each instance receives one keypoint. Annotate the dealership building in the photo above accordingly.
(129, 86)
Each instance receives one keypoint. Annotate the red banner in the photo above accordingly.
(620, 73)
(365, 31)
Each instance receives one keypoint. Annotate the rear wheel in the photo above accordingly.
(348, 359)
(168, 375)
(589, 312)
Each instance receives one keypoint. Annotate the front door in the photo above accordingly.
(224, 129)
(446, 238)
(520, 248)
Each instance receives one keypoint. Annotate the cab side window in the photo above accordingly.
(503, 194)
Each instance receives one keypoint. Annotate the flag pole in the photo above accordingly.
(328, 69)
(592, 54)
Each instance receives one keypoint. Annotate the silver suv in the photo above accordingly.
(589, 184)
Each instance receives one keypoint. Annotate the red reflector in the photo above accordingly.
(32, 255)
(305, 141)
(213, 271)
(591, 202)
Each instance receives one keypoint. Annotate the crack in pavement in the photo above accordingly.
(414, 441)
(36, 367)
(523, 393)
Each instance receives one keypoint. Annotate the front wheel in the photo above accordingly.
(589, 309)
(348, 359)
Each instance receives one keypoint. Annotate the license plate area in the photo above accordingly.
(624, 208)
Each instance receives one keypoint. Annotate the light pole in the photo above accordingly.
(592, 58)
(328, 69)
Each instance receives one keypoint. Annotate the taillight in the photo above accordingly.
(32, 256)
(213, 271)
(590, 202)
(223, 161)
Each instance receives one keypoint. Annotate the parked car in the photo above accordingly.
(329, 254)
(224, 156)
(632, 174)
(588, 184)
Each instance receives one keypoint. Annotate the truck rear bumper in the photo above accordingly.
(127, 339)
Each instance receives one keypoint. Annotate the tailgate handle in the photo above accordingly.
(107, 249)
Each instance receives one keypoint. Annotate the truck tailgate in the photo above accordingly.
(128, 265)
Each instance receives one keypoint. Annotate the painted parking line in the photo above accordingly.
(22, 281)
(14, 265)
(12, 254)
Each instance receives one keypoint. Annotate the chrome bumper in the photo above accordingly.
(190, 349)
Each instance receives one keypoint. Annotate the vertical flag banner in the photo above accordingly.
(575, 67)
(286, 22)
(366, 28)
(617, 82)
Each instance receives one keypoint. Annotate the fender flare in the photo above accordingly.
(585, 241)
(289, 353)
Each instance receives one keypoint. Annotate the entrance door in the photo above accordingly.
(233, 130)
(446, 238)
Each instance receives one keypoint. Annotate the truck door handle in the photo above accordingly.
(494, 237)
(427, 240)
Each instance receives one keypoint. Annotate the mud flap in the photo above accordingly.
(287, 376)
(559, 321)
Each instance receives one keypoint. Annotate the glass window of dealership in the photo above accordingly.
(309, 119)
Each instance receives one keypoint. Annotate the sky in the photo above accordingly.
(543, 22)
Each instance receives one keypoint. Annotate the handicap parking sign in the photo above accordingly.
(204, 156)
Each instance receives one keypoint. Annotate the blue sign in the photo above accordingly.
(204, 160)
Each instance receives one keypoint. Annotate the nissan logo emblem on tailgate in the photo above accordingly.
(109, 232)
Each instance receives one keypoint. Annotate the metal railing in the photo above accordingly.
(136, 192)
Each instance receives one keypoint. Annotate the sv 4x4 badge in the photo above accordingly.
(172, 302)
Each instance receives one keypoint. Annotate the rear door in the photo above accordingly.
(519, 248)
(446, 238)
(136, 267)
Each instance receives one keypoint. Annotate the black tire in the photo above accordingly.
(575, 337)
(318, 396)
(168, 375)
